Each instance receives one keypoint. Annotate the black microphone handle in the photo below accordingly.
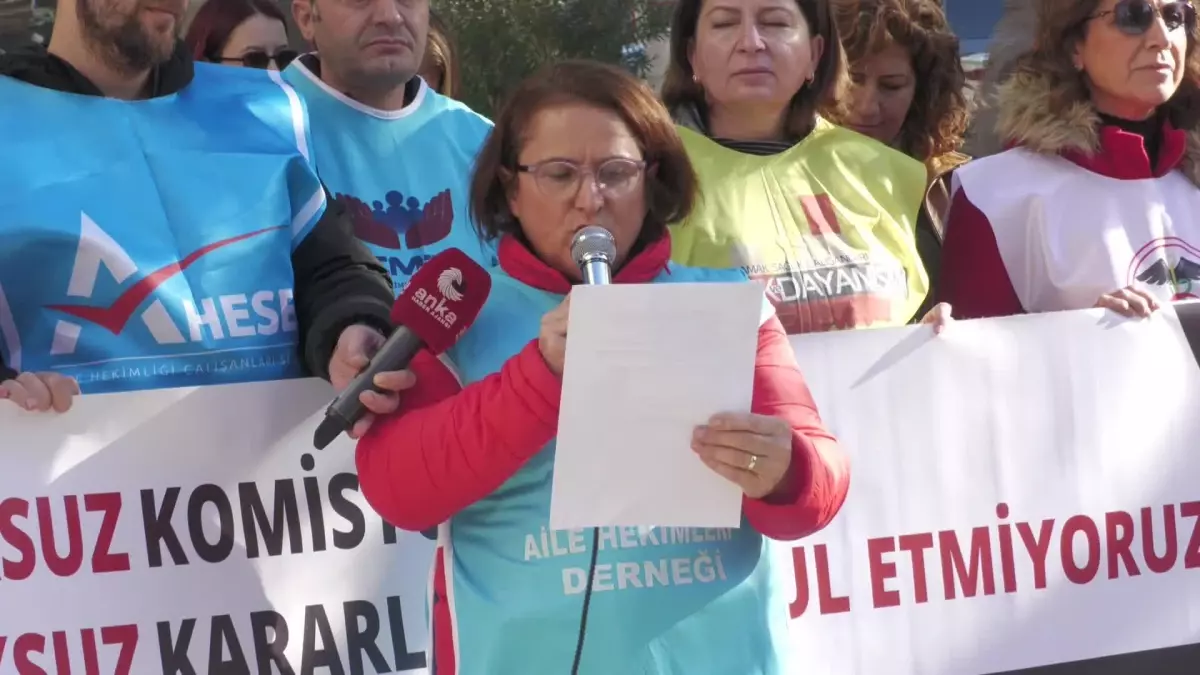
(395, 354)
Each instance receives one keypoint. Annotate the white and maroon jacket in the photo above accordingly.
(1072, 211)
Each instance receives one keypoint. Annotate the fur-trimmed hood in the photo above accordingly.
(1025, 120)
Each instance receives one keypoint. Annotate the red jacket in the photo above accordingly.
(449, 446)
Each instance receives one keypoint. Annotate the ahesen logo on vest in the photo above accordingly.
(1153, 266)
(170, 324)
(838, 286)
(450, 287)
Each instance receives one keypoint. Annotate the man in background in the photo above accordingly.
(394, 151)
(176, 241)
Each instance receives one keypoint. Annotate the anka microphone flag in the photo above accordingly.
(437, 306)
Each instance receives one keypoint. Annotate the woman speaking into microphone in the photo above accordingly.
(472, 449)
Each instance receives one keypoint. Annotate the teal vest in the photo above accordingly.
(665, 601)
(404, 176)
(148, 244)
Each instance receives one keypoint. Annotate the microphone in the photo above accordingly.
(594, 249)
(439, 303)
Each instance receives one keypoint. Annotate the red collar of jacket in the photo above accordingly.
(1122, 155)
(521, 264)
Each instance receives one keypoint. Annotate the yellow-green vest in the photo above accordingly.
(827, 225)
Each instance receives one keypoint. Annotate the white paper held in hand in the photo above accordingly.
(646, 364)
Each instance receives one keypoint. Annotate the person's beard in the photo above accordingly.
(128, 45)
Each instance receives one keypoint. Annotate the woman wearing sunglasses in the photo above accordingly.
(248, 33)
(1096, 201)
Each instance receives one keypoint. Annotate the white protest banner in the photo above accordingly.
(197, 531)
(1024, 492)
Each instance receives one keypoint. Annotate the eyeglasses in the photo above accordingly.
(560, 178)
(263, 60)
(1134, 17)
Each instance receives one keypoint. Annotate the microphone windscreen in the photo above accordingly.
(442, 299)
(593, 240)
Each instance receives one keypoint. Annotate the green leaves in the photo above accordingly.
(500, 42)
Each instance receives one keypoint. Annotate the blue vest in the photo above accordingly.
(403, 175)
(665, 601)
(147, 244)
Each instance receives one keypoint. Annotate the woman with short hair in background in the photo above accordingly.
(907, 91)
(473, 449)
(1097, 202)
(439, 67)
(821, 215)
(248, 33)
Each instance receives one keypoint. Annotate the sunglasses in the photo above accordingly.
(1135, 17)
(263, 60)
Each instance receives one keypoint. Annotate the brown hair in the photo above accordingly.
(823, 93)
(215, 21)
(440, 52)
(670, 186)
(937, 119)
(1060, 28)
